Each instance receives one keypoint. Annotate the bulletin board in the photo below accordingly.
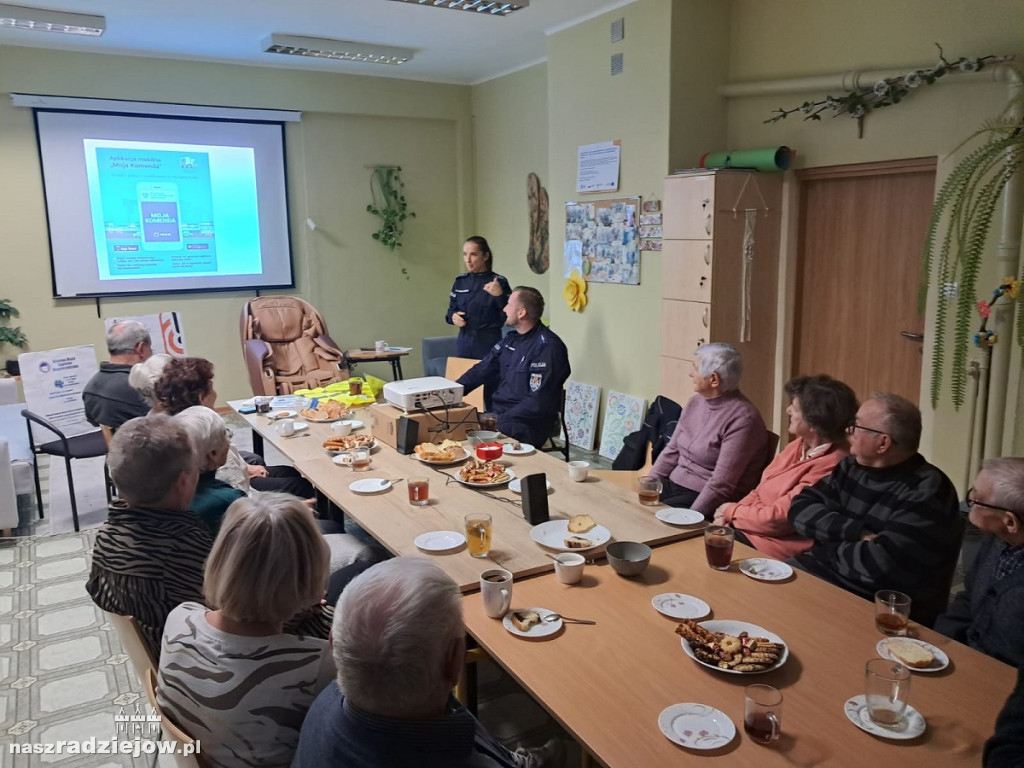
(601, 240)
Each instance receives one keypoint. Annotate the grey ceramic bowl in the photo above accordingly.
(628, 558)
(481, 436)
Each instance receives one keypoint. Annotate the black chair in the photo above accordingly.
(551, 445)
(84, 446)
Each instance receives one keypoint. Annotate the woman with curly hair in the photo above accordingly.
(188, 381)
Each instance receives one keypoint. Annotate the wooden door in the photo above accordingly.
(861, 231)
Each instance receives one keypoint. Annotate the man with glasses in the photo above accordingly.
(989, 614)
(885, 518)
(109, 399)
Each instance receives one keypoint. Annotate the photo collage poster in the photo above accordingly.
(601, 240)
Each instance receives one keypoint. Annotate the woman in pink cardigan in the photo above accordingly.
(820, 409)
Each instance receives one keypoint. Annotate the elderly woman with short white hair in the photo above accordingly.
(720, 445)
(211, 442)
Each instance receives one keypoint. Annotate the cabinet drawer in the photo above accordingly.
(685, 325)
(688, 208)
(686, 270)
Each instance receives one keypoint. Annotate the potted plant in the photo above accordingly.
(13, 336)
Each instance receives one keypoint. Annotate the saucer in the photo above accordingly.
(765, 569)
(941, 659)
(439, 541)
(912, 726)
(696, 726)
(679, 516)
(679, 606)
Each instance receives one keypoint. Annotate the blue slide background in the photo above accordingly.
(119, 171)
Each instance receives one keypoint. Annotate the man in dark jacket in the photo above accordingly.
(109, 399)
(527, 370)
(989, 614)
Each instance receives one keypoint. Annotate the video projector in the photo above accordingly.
(423, 394)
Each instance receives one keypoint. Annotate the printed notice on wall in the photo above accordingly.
(597, 167)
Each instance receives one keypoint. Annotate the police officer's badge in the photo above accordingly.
(535, 379)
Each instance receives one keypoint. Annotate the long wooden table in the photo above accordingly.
(607, 683)
(395, 523)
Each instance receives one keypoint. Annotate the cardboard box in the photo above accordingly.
(434, 426)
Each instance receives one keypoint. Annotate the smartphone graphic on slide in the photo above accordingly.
(158, 212)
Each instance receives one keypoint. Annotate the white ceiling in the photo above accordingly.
(451, 46)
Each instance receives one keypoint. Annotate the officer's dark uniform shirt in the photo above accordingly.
(528, 372)
(485, 314)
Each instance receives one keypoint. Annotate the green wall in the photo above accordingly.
(349, 122)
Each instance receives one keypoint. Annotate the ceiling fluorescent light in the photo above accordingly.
(325, 48)
(42, 20)
(487, 7)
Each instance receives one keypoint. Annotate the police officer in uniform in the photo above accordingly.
(527, 370)
(477, 301)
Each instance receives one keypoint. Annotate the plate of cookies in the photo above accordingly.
(736, 647)
(325, 411)
(580, 532)
(916, 655)
(344, 444)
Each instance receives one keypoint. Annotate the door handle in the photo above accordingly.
(912, 336)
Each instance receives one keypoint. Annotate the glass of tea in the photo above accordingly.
(762, 713)
(355, 386)
(419, 491)
(360, 459)
(892, 612)
(488, 421)
(718, 541)
(478, 534)
(649, 489)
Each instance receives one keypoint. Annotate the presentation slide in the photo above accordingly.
(139, 204)
(166, 210)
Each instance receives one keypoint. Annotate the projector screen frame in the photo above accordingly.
(187, 114)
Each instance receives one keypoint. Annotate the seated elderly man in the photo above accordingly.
(885, 518)
(720, 445)
(989, 614)
(150, 554)
(109, 399)
(526, 369)
(398, 644)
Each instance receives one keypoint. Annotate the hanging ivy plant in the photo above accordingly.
(388, 203)
(957, 233)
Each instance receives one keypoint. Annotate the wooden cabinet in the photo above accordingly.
(720, 257)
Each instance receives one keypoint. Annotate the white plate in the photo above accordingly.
(765, 569)
(553, 534)
(300, 427)
(913, 724)
(516, 486)
(511, 477)
(730, 627)
(356, 423)
(370, 485)
(439, 541)
(696, 726)
(282, 415)
(374, 447)
(680, 606)
(941, 659)
(675, 516)
(541, 629)
(463, 457)
(522, 450)
(326, 421)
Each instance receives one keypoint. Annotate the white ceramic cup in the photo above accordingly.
(569, 567)
(285, 427)
(496, 590)
(578, 470)
(342, 428)
(380, 346)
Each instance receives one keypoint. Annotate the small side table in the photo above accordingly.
(393, 356)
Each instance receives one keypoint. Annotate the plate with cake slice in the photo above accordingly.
(916, 655)
(574, 535)
(530, 622)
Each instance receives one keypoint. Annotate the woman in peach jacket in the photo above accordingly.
(820, 410)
